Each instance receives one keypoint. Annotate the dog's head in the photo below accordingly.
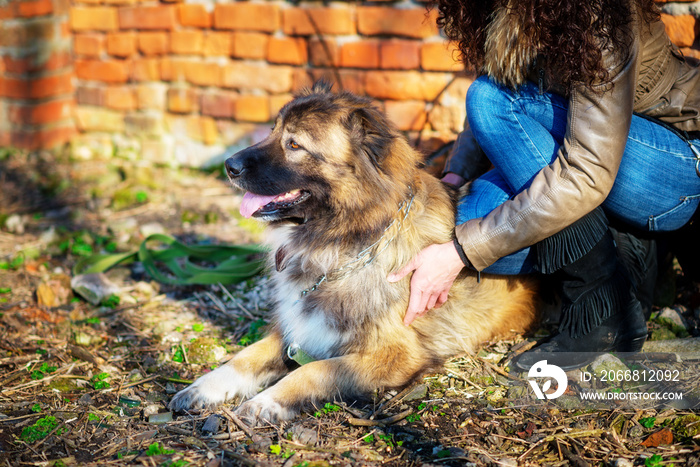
(328, 154)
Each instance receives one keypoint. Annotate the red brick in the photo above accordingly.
(287, 50)
(204, 74)
(348, 80)
(90, 95)
(181, 100)
(21, 33)
(109, 71)
(249, 45)
(202, 129)
(45, 112)
(37, 88)
(37, 61)
(406, 115)
(277, 102)
(147, 17)
(8, 11)
(399, 54)
(363, 54)
(302, 78)
(97, 18)
(446, 118)
(681, 29)
(121, 44)
(34, 8)
(249, 108)
(378, 20)
(153, 43)
(273, 79)
(196, 72)
(440, 56)
(91, 45)
(194, 14)
(120, 98)
(120, 2)
(308, 21)
(61, 7)
(173, 69)
(218, 104)
(405, 85)
(152, 96)
(98, 119)
(245, 16)
(42, 138)
(187, 42)
(217, 44)
(147, 69)
(324, 52)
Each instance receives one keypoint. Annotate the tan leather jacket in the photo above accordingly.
(653, 79)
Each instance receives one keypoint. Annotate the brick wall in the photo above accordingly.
(36, 74)
(177, 82)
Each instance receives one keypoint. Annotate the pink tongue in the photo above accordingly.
(252, 202)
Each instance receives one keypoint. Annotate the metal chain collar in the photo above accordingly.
(369, 254)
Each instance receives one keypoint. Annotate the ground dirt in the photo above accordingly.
(84, 384)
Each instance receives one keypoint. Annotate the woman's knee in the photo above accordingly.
(484, 98)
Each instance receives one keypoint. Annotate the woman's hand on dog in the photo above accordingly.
(436, 268)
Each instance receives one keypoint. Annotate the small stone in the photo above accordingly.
(304, 435)
(622, 462)
(674, 315)
(211, 425)
(606, 363)
(205, 350)
(85, 399)
(152, 228)
(150, 410)
(160, 418)
(419, 391)
(93, 287)
(54, 291)
(15, 224)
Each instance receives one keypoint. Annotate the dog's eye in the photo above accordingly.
(293, 145)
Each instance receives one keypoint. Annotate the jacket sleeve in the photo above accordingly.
(466, 158)
(578, 180)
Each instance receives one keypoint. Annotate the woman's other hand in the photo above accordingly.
(435, 269)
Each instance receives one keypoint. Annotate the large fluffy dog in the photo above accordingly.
(346, 205)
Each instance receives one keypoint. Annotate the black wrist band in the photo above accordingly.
(460, 252)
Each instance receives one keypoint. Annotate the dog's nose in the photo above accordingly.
(234, 167)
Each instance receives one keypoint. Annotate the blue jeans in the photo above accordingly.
(656, 189)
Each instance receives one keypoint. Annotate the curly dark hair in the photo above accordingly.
(578, 30)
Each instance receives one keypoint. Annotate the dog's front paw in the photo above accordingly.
(264, 408)
(212, 389)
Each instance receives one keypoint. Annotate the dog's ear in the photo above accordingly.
(371, 133)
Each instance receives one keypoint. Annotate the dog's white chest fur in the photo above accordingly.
(311, 330)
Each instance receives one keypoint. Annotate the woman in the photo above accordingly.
(563, 113)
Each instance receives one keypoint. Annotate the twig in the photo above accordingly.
(383, 422)
(550, 438)
(499, 370)
(241, 459)
(136, 383)
(246, 429)
(394, 400)
(236, 302)
(31, 384)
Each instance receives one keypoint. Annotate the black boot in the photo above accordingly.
(599, 310)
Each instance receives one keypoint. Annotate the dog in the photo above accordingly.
(346, 204)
